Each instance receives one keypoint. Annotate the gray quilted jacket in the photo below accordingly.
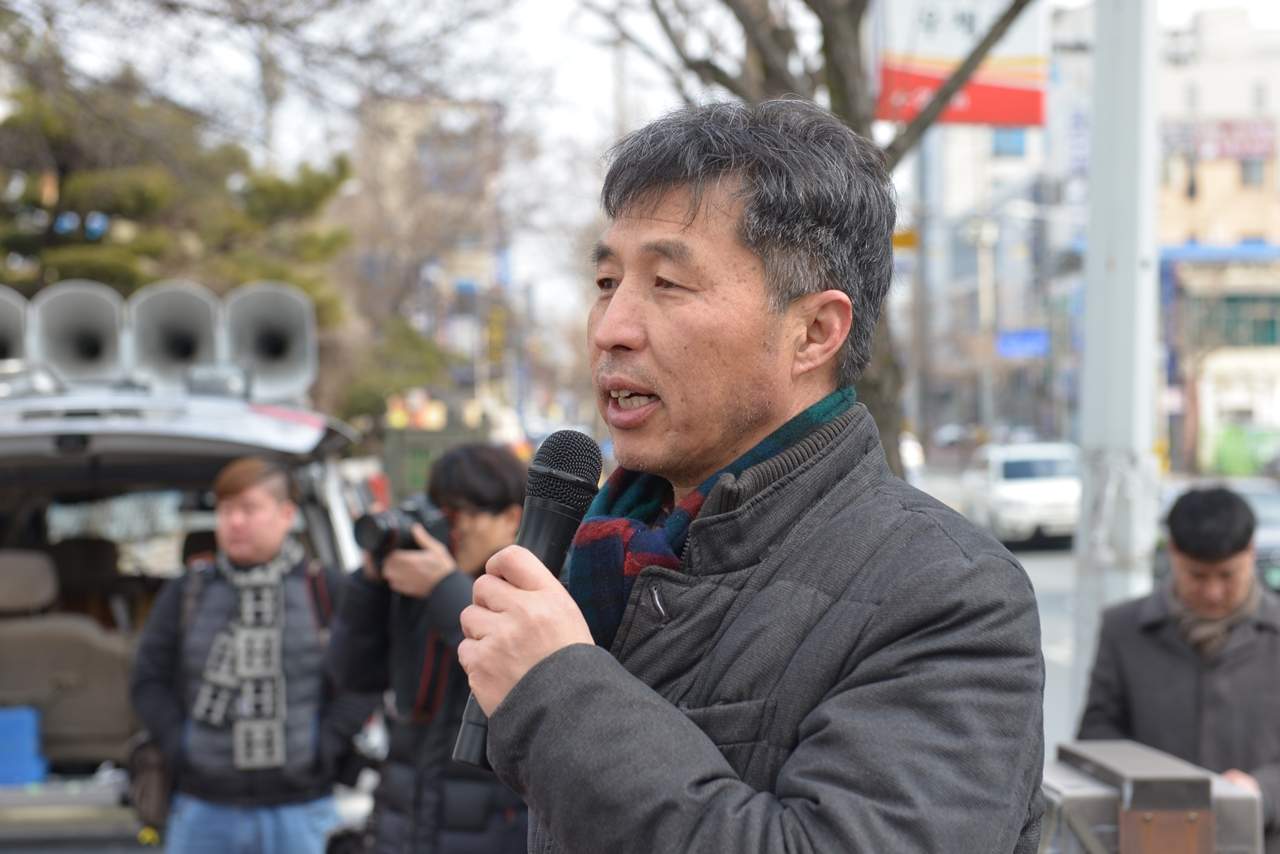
(842, 664)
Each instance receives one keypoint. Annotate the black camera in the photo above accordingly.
(382, 533)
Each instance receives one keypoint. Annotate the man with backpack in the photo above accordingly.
(229, 681)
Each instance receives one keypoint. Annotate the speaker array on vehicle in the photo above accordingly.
(88, 335)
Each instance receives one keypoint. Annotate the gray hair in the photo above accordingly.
(819, 208)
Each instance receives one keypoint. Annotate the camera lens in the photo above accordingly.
(374, 532)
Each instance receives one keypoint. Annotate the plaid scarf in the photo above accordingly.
(634, 522)
(243, 684)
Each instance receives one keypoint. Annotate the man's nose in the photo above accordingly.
(621, 324)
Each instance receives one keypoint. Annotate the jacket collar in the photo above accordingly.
(741, 536)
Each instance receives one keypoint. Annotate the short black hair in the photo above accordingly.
(478, 477)
(1211, 524)
(819, 206)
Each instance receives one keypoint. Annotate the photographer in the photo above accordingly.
(398, 628)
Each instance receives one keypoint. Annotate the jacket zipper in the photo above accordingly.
(657, 604)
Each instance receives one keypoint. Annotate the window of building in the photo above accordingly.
(1008, 142)
(1251, 173)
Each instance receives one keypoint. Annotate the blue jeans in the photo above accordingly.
(201, 827)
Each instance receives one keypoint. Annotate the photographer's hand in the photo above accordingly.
(370, 567)
(416, 573)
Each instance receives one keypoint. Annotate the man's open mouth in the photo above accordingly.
(628, 399)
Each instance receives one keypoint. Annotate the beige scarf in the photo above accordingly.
(1208, 637)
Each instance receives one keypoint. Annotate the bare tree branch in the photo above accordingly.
(706, 68)
(329, 52)
(772, 54)
(677, 75)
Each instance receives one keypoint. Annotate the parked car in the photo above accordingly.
(1019, 491)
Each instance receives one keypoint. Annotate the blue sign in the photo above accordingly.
(1030, 343)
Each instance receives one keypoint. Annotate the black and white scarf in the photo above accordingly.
(243, 681)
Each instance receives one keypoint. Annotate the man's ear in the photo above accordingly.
(825, 319)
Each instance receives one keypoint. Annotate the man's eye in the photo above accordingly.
(604, 283)
(663, 283)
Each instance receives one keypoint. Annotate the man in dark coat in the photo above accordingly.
(1193, 668)
(768, 643)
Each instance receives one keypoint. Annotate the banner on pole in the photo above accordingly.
(923, 41)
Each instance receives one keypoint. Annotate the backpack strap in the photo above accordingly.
(321, 600)
(197, 574)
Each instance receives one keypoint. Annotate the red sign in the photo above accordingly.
(904, 92)
(922, 42)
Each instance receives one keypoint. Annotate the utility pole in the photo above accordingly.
(920, 343)
(984, 234)
(1116, 536)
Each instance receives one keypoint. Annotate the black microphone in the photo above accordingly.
(563, 479)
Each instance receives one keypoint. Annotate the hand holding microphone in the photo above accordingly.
(521, 613)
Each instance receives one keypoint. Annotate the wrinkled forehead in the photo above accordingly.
(724, 194)
(687, 204)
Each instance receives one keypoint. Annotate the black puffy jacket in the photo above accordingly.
(384, 640)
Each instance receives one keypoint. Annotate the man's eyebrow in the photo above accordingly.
(672, 250)
(601, 252)
(669, 248)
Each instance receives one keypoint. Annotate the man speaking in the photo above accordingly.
(769, 643)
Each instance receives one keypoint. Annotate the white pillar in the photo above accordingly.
(1117, 431)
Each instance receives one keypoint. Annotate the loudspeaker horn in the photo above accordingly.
(13, 324)
(74, 328)
(271, 332)
(175, 325)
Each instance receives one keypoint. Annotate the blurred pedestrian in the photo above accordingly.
(399, 628)
(229, 681)
(1192, 668)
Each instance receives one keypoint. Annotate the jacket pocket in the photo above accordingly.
(743, 722)
(739, 730)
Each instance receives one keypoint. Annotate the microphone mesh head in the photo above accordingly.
(576, 458)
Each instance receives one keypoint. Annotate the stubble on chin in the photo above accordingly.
(669, 459)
